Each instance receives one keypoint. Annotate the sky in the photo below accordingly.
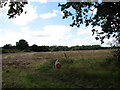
(43, 25)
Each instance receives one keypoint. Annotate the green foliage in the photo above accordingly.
(22, 44)
(34, 48)
(15, 7)
(44, 48)
(7, 46)
(107, 17)
(10, 50)
(59, 48)
(88, 47)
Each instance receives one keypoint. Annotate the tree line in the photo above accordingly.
(22, 45)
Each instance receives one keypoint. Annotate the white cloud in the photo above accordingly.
(23, 29)
(49, 15)
(9, 37)
(85, 30)
(24, 19)
(94, 10)
(89, 39)
(62, 13)
(40, 1)
(86, 37)
(82, 41)
(3, 13)
(50, 35)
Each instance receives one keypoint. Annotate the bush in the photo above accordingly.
(10, 50)
(27, 50)
(4, 51)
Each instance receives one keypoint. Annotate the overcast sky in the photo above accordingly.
(43, 25)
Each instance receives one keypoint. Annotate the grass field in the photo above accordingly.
(80, 69)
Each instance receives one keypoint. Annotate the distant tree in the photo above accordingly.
(22, 44)
(34, 48)
(65, 48)
(7, 46)
(53, 48)
(44, 48)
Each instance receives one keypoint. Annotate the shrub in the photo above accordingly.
(10, 50)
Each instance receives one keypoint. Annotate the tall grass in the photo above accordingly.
(80, 73)
(94, 72)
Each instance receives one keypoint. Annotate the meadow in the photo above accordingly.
(80, 69)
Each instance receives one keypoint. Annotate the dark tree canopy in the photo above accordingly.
(7, 46)
(34, 48)
(22, 44)
(107, 16)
